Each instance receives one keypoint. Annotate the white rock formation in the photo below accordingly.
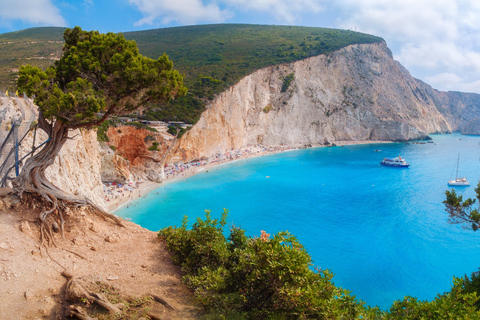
(77, 167)
(355, 94)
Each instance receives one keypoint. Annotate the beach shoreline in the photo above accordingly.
(122, 196)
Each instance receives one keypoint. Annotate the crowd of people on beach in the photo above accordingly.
(173, 170)
(115, 192)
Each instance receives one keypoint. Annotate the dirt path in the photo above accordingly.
(131, 259)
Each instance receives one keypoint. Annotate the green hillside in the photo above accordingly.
(211, 57)
(35, 46)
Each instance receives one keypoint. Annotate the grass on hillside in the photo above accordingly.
(36, 46)
(211, 57)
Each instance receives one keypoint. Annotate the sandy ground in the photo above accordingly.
(129, 258)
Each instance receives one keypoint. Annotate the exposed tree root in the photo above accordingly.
(162, 301)
(76, 291)
(78, 312)
(53, 220)
(32, 181)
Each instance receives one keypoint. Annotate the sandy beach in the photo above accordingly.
(119, 195)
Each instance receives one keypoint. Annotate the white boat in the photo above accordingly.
(458, 181)
(395, 162)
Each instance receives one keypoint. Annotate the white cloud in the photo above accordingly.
(181, 11)
(38, 12)
(453, 81)
(285, 11)
(200, 11)
(440, 37)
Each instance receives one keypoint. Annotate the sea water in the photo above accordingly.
(382, 231)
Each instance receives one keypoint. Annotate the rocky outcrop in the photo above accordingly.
(142, 149)
(358, 93)
(472, 127)
(114, 167)
(460, 109)
(77, 167)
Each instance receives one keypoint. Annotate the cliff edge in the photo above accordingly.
(358, 93)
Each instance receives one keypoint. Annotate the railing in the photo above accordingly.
(9, 149)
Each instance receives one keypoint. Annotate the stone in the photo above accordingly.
(26, 229)
(28, 295)
(112, 238)
(67, 274)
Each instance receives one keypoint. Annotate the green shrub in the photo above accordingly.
(265, 277)
(173, 130)
(455, 304)
(154, 146)
(258, 277)
(102, 130)
(139, 125)
(286, 82)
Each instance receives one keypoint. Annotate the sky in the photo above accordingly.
(438, 41)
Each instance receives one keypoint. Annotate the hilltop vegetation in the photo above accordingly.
(36, 46)
(211, 57)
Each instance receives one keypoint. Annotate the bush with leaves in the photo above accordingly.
(266, 277)
(455, 304)
(463, 212)
(257, 277)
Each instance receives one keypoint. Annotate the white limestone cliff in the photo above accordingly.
(358, 93)
(76, 169)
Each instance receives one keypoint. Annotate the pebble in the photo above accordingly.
(28, 295)
(67, 274)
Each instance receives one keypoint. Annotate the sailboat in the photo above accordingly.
(458, 181)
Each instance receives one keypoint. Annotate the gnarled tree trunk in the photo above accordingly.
(32, 178)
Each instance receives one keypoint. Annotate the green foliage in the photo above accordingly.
(98, 73)
(224, 52)
(228, 52)
(463, 212)
(455, 304)
(174, 129)
(102, 130)
(286, 82)
(139, 125)
(35, 46)
(472, 285)
(265, 277)
(154, 146)
(255, 278)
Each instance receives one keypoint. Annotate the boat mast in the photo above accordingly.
(458, 161)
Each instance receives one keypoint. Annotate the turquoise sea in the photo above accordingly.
(382, 231)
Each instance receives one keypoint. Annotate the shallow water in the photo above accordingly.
(382, 231)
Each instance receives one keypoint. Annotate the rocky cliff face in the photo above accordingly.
(358, 93)
(76, 169)
(462, 110)
(135, 154)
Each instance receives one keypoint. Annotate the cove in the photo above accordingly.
(382, 231)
